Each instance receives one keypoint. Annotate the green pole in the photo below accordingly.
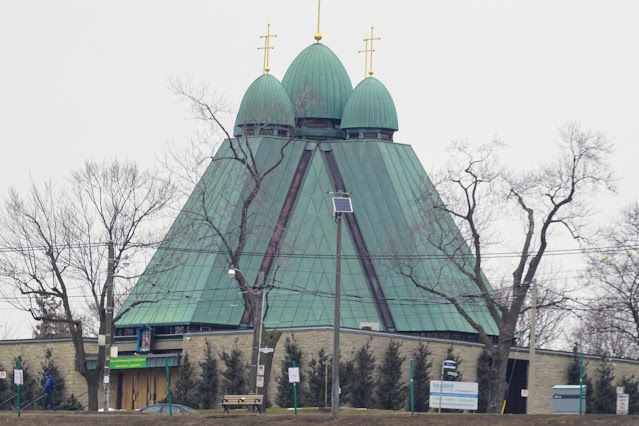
(412, 391)
(581, 382)
(17, 368)
(295, 393)
(168, 386)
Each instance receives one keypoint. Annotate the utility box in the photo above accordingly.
(565, 399)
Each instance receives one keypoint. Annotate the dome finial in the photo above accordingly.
(366, 51)
(318, 35)
(267, 47)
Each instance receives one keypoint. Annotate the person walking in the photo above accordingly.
(49, 387)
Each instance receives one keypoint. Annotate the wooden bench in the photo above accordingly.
(236, 400)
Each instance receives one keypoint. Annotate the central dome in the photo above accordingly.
(317, 84)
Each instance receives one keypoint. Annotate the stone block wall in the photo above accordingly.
(63, 352)
(551, 366)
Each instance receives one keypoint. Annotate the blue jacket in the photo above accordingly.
(49, 385)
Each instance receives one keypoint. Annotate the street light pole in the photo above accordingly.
(336, 326)
(109, 320)
(531, 362)
(259, 304)
(257, 299)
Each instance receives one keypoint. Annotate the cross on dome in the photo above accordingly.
(267, 47)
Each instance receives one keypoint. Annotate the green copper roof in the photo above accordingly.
(318, 82)
(187, 279)
(265, 102)
(370, 106)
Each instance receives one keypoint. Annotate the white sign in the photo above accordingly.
(452, 373)
(260, 370)
(3, 374)
(266, 350)
(456, 395)
(106, 379)
(524, 393)
(449, 364)
(293, 374)
(619, 390)
(623, 400)
(18, 377)
(260, 381)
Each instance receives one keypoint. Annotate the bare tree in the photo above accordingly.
(611, 322)
(55, 245)
(227, 219)
(8, 331)
(480, 194)
(553, 308)
(602, 332)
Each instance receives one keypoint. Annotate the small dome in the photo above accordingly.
(370, 106)
(318, 72)
(265, 102)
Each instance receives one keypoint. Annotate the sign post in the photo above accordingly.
(412, 392)
(294, 377)
(581, 383)
(446, 365)
(623, 401)
(17, 379)
(168, 386)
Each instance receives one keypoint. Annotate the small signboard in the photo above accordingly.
(450, 364)
(623, 400)
(3, 374)
(619, 390)
(266, 350)
(123, 363)
(524, 393)
(18, 377)
(260, 370)
(260, 381)
(106, 379)
(456, 395)
(452, 373)
(293, 374)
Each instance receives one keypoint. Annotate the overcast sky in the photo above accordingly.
(89, 80)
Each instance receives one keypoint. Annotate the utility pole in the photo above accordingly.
(109, 320)
(336, 326)
(531, 362)
(259, 320)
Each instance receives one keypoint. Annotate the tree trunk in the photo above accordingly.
(497, 380)
(93, 384)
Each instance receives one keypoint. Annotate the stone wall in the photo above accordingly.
(63, 352)
(551, 366)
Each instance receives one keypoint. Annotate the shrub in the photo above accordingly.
(208, 385)
(317, 376)
(284, 396)
(234, 376)
(421, 377)
(363, 384)
(391, 391)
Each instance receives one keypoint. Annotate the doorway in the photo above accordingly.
(139, 388)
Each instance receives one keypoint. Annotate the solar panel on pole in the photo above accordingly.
(342, 205)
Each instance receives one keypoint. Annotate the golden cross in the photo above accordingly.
(318, 35)
(366, 51)
(267, 47)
